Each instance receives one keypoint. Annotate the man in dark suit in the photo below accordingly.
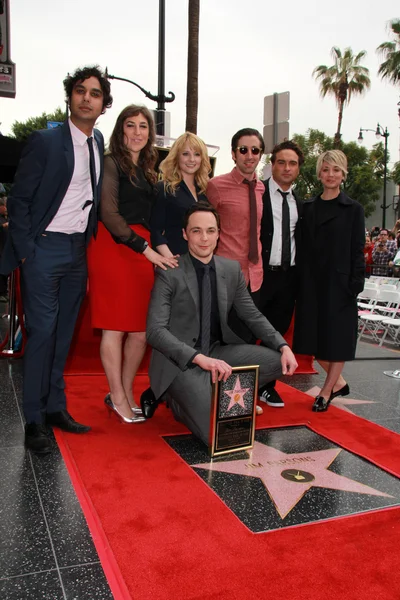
(280, 239)
(53, 214)
(188, 327)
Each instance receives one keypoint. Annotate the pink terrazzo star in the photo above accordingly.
(339, 401)
(236, 395)
(287, 477)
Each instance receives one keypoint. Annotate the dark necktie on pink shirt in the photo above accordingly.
(253, 242)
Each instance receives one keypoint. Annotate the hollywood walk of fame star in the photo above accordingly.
(270, 464)
(236, 395)
(339, 401)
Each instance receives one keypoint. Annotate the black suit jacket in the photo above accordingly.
(41, 182)
(267, 225)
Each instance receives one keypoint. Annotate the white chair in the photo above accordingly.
(372, 324)
(391, 331)
(367, 299)
(388, 302)
(370, 285)
(388, 286)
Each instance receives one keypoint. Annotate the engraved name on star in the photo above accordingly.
(236, 395)
(287, 477)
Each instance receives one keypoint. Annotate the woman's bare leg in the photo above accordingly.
(333, 375)
(111, 358)
(134, 349)
(341, 382)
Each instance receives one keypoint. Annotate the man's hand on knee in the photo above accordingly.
(288, 361)
(219, 368)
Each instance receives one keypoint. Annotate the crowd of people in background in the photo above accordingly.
(381, 251)
(212, 264)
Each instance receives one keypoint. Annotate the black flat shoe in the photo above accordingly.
(320, 404)
(344, 391)
(148, 403)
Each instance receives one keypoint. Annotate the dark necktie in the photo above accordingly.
(92, 169)
(253, 242)
(286, 250)
(206, 311)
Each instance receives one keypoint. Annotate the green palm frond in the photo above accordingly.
(390, 51)
(345, 78)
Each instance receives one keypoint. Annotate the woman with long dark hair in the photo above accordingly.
(332, 271)
(121, 260)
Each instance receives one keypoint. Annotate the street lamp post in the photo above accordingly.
(380, 132)
(161, 98)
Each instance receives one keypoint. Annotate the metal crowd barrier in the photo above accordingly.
(14, 340)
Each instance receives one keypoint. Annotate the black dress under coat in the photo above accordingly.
(332, 270)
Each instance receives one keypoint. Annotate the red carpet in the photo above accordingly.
(171, 538)
(84, 356)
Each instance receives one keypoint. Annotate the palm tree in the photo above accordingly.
(390, 68)
(192, 90)
(343, 79)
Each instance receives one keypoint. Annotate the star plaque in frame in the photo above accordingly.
(233, 411)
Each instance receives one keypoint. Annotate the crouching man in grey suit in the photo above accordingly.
(187, 327)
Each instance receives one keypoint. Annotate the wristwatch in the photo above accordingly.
(145, 245)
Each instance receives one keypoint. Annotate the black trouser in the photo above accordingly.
(276, 299)
(53, 286)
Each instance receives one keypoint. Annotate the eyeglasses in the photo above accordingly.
(244, 150)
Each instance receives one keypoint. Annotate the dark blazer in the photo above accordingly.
(167, 216)
(41, 182)
(173, 321)
(331, 275)
(267, 225)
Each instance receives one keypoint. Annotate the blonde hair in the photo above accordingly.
(169, 167)
(333, 157)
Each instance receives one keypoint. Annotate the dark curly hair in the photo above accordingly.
(84, 73)
(288, 145)
(120, 151)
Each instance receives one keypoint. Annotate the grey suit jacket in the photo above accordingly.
(173, 322)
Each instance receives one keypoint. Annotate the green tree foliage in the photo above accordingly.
(364, 179)
(344, 79)
(21, 130)
(395, 175)
(390, 52)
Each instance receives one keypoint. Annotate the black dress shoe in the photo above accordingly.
(320, 404)
(64, 421)
(37, 439)
(148, 403)
(344, 391)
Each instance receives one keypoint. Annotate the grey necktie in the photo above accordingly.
(286, 250)
(206, 311)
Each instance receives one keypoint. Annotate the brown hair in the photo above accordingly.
(120, 151)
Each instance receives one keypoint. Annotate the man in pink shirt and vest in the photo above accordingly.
(237, 196)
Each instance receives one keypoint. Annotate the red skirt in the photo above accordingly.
(120, 283)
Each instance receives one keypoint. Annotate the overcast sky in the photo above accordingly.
(248, 49)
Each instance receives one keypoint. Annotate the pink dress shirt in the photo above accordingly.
(230, 197)
(70, 218)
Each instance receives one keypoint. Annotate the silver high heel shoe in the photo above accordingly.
(135, 419)
(137, 410)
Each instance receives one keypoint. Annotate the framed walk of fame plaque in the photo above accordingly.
(233, 411)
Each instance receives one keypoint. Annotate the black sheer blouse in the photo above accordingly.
(123, 203)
